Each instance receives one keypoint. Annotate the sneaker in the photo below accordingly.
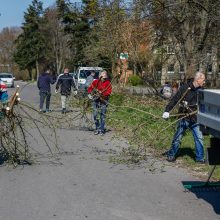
(63, 111)
(96, 132)
(164, 153)
(201, 161)
(48, 110)
(171, 158)
(101, 133)
(41, 111)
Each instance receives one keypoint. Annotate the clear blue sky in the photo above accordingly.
(12, 11)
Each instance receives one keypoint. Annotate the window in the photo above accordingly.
(171, 68)
(170, 50)
(85, 73)
(158, 67)
(209, 68)
(5, 76)
(181, 68)
(209, 50)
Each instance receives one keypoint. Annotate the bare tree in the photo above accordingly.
(7, 46)
(59, 50)
(107, 41)
(186, 26)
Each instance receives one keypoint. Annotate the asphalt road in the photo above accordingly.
(82, 184)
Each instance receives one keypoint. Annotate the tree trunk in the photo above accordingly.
(191, 68)
(30, 74)
(37, 69)
(164, 74)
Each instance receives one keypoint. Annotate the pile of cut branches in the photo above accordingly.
(20, 126)
(139, 119)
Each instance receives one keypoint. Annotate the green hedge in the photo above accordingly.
(135, 80)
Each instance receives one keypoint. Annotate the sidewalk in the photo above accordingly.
(138, 90)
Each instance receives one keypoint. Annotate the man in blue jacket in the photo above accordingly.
(44, 81)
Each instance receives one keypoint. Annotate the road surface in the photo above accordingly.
(82, 184)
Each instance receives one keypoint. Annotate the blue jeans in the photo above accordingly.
(99, 114)
(197, 135)
(45, 95)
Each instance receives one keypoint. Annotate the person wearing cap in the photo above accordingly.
(65, 83)
(3, 93)
(99, 91)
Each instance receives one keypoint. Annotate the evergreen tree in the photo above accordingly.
(78, 24)
(107, 34)
(31, 45)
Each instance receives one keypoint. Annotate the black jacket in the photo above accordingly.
(44, 81)
(65, 81)
(188, 103)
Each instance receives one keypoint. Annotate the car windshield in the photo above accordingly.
(4, 76)
(85, 73)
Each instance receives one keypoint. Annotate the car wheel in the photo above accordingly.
(13, 85)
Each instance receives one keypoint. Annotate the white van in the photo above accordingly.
(83, 72)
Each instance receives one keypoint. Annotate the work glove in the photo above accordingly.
(90, 96)
(56, 91)
(75, 92)
(166, 115)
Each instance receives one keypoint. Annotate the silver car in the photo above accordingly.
(8, 79)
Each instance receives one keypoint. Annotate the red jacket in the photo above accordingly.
(3, 87)
(105, 87)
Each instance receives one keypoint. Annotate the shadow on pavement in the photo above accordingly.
(209, 192)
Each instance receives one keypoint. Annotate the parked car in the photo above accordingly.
(83, 72)
(8, 79)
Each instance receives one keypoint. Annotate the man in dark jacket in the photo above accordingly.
(186, 98)
(65, 83)
(43, 83)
